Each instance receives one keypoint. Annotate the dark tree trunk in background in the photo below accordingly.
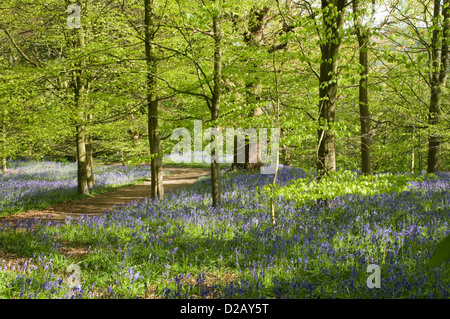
(364, 114)
(331, 43)
(285, 155)
(440, 63)
(157, 188)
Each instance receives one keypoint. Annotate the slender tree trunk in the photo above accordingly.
(79, 103)
(436, 95)
(434, 140)
(420, 154)
(413, 160)
(235, 164)
(157, 188)
(440, 64)
(89, 157)
(89, 161)
(4, 147)
(81, 160)
(272, 197)
(333, 20)
(277, 116)
(215, 106)
(364, 114)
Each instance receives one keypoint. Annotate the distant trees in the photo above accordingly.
(421, 29)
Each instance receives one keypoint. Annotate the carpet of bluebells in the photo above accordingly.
(38, 184)
(183, 248)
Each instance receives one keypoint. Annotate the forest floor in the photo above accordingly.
(179, 177)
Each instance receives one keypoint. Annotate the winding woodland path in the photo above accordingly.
(179, 177)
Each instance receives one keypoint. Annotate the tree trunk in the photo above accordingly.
(326, 155)
(79, 96)
(413, 157)
(157, 188)
(277, 116)
(436, 95)
(215, 106)
(252, 39)
(364, 114)
(420, 154)
(89, 157)
(89, 161)
(333, 20)
(4, 147)
(81, 160)
(285, 155)
(438, 77)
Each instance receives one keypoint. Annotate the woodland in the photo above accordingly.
(92, 91)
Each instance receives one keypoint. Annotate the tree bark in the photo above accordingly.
(157, 188)
(331, 42)
(440, 63)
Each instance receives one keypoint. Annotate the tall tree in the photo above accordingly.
(202, 34)
(79, 95)
(4, 146)
(253, 38)
(157, 189)
(89, 157)
(215, 101)
(439, 60)
(362, 33)
(76, 50)
(330, 44)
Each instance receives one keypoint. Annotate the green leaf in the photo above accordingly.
(441, 253)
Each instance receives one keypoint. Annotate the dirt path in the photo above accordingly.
(180, 177)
